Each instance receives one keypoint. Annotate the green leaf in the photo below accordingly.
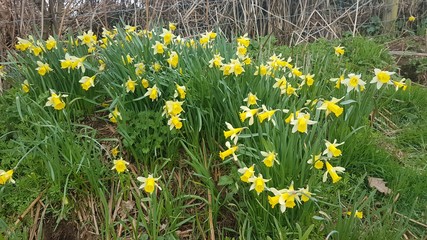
(225, 180)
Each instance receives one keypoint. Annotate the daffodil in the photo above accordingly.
(400, 84)
(316, 161)
(153, 93)
(288, 90)
(232, 133)
(280, 82)
(332, 171)
(204, 39)
(251, 99)
(332, 106)
(337, 81)
(167, 36)
(172, 108)
(115, 115)
(258, 183)
(36, 50)
(72, 62)
(130, 29)
(331, 149)
(266, 114)
(149, 184)
(216, 61)
(237, 67)
(227, 69)
(43, 68)
(180, 91)
(55, 101)
(301, 122)
(120, 165)
(357, 214)
(115, 151)
(87, 82)
(354, 82)
(6, 176)
(339, 51)
(23, 44)
(88, 38)
(175, 122)
(411, 18)
(246, 173)
(172, 26)
(25, 86)
(145, 83)
(157, 67)
(173, 59)
(262, 70)
(158, 48)
(241, 51)
(102, 65)
(295, 72)
(382, 77)
(211, 34)
(285, 197)
(248, 113)
(244, 40)
(230, 151)
(139, 68)
(305, 194)
(308, 79)
(130, 85)
(269, 158)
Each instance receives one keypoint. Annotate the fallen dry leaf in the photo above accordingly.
(379, 184)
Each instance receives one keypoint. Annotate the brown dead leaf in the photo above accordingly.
(379, 184)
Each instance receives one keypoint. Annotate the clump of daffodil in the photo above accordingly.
(262, 70)
(232, 133)
(55, 101)
(400, 84)
(88, 38)
(158, 48)
(23, 44)
(301, 122)
(173, 59)
(167, 36)
(175, 122)
(251, 99)
(172, 108)
(258, 183)
(25, 86)
(139, 68)
(231, 150)
(247, 173)
(269, 158)
(339, 51)
(216, 61)
(87, 82)
(288, 197)
(382, 77)
(354, 82)
(331, 149)
(332, 106)
(6, 176)
(266, 114)
(115, 115)
(153, 93)
(332, 171)
(43, 68)
(120, 165)
(130, 85)
(149, 184)
(248, 113)
(357, 214)
(180, 91)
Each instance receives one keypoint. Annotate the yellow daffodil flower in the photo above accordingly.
(55, 101)
(258, 183)
(382, 77)
(120, 165)
(149, 184)
(246, 173)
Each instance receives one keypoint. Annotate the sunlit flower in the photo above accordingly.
(266, 114)
(244, 40)
(251, 99)
(149, 184)
(211, 34)
(288, 89)
(72, 62)
(139, 68)
(50, 43)
(301, 122)
(88, 38)
(172, 108)
(6, 176)
(258, 183)
(23, 44)
(130, 85)
(180, 91)
(332, 171)
(354, 82)
(230, 151)
(316, 161)
(332, 106)
(158, 48)
(153, 93)
(167, 37)
(216, 61)
(145, 83)
(43, 68)
(246, 173)
(175, 122)
(247, 113)
(331, 149)
(227, 69)
(382, 77)
(55, 101)
(120, 165)
(269, 158)
(232, 133)
(115, 115)
(307, 79)
(280, 83)
(356, 214)
(295, 72)
(285, 197)
(339, 51)
(173, 59)
(400, 84)
(87, 82)
(25, 86)
(237, 67)
(36, 50)
(262, 70)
